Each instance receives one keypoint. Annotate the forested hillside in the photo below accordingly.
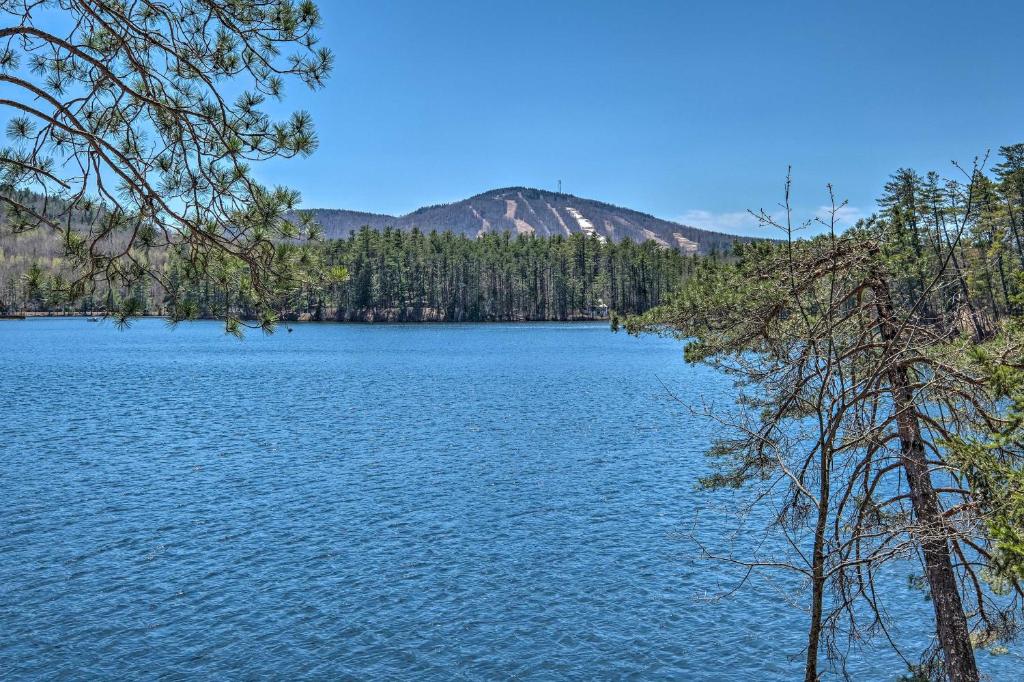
(512, 254)
(524, 210)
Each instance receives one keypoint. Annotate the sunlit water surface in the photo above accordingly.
(474, 502)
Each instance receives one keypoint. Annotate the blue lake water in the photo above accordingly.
(473, 502)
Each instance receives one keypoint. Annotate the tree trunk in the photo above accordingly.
(1013, 229)
(950, 621)
(979, 328)
(818, 572)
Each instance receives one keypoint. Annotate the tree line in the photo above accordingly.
(385, 275)
(398, 276)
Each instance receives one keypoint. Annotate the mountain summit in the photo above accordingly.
(522, 210)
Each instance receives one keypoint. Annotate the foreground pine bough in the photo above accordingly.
(134, 127)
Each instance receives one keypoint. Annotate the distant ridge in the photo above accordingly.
(522, 210)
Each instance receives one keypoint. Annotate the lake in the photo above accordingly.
(474, 502)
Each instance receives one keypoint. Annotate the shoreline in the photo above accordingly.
(102, 317)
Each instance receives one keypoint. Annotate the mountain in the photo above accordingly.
(521, 210)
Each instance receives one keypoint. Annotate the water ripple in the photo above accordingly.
(425, 502)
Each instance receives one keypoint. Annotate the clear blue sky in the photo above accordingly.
(682, 109)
